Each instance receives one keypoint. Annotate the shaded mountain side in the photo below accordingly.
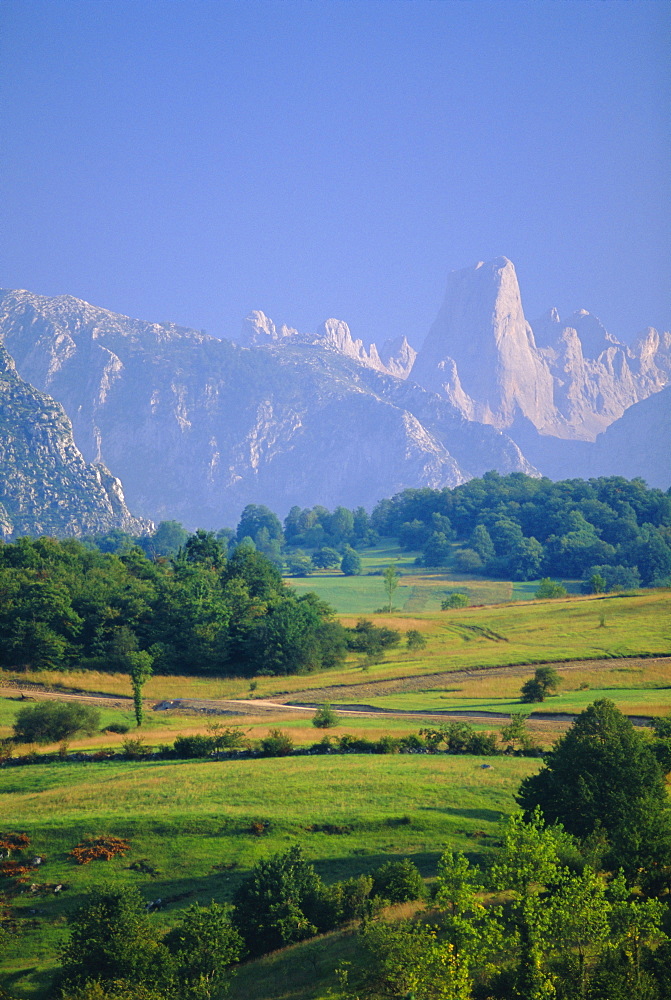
(198, 427)
(46, 487)
(638, 445)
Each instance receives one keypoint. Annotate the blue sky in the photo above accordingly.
(194, 160)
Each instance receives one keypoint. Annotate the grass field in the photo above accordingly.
(419, 589)
(577, 628)
(189, 817)
(192, 820)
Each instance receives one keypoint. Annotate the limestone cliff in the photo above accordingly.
(569, 379)
(198, 427)
(46, 487)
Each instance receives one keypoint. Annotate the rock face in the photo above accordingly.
(480, 352)
(395, 358)
(46, 487)
(198, 427)
(569, 379)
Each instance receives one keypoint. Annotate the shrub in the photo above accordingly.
(371, 639)
(398, 881)
(547, 588)
(277, 744)
(116, 727)
(54, 721)
(415, 639)
(194, 746)
(229, 737)
(325, 718)
(135, 748)
(455, 600)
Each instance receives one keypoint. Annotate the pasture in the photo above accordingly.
(191, 823)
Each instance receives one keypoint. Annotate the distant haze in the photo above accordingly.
(195, 161)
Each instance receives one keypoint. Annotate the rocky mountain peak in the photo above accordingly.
(481, 328)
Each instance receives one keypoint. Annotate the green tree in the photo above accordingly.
(140, 670)
(53, 721)
(277, 903)
(548, 588)
(545, 681)
(603, 777)
(391, 580)
(528, 862)
(112, 938)
(326, 558)
(325, 718)
(473, 930)
(204, 945)
(351, 562)
(437, 550)
(409, 960)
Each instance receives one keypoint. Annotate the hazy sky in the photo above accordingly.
(194, 160)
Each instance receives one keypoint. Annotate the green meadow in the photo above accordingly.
(191, 822)
(419, 588)
(475, 638)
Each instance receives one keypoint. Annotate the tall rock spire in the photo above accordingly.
(481, 353)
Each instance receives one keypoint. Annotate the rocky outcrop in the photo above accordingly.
(198, 427)
(480, 352)
(395, 358)
(46, 487)
(569, 379)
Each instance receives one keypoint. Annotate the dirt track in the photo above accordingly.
(305, 701)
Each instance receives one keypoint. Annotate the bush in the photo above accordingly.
(371, 639)
(398, 881)
(116, 727)
(455, 600)
(186, 747)
(325, 718)
(415, 639)
(134, 748)
(547, 588)
(277, 744)
(54, 721)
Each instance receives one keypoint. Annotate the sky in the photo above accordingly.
(192, 160)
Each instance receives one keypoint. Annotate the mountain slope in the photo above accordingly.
(46, 487)
(198, 427)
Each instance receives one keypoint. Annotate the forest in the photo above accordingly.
(216, 603)
(611, 532)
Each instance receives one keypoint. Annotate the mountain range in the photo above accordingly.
(196, 427)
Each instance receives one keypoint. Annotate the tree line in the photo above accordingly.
(612, 532)
(64, 604)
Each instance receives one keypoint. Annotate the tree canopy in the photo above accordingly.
(603, 779)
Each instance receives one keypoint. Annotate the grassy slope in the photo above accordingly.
(578, 628)
(188, 817)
